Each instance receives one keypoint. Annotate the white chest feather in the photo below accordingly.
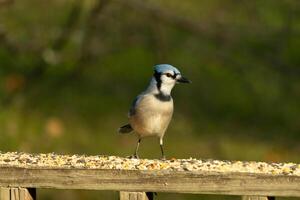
(151, 116)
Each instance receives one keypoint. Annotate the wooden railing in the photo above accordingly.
(21, 174)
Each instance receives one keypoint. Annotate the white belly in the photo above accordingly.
(151, 117)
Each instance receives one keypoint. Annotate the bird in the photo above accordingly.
(152, 110)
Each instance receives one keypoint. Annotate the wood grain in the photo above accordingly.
(133, 195)
(17, 194)
(257, 198)
(152, 180)
(5, 194)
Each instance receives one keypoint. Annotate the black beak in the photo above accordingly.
(183, 80)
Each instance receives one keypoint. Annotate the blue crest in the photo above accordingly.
(161, 68)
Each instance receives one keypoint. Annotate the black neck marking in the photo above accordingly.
(158, 80)
(162, 97)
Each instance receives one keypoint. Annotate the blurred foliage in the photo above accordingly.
(69, 70)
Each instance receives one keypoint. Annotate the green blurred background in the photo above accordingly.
(69, 70)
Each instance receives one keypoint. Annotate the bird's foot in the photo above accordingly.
(134, 156)
(163, 158)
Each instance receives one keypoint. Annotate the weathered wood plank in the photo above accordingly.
(257, 198)
(17, 194)
(29, 193)
(144, 175)
(5, 193)
(152, 180)
(133, 195)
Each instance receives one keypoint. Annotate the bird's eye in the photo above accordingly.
(168, 75)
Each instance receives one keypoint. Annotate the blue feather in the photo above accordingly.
(161, 68)
(133, 106)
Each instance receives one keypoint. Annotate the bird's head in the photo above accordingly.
(169, 75)
(166, 76)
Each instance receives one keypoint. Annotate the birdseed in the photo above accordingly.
(55, 161)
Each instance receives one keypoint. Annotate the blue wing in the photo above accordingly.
(132, 110)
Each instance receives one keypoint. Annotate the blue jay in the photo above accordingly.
(152, 110)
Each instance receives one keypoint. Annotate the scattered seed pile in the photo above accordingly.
(51, 160)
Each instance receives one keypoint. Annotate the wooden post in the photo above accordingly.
(4, 193)
(257, 198)
(134, 196)
(17, 194)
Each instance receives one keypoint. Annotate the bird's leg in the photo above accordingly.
(135, 155)
(163, 157)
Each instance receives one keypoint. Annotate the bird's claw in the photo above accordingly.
(134, 156)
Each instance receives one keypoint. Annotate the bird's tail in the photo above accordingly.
(125, 129)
